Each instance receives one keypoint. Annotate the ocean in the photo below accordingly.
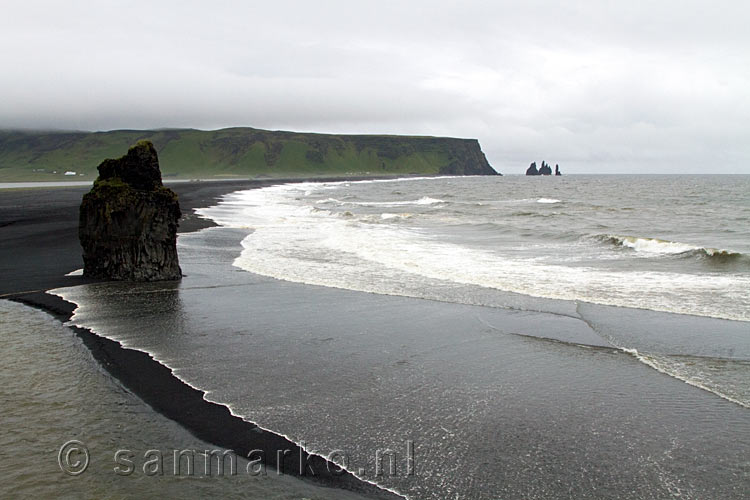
(492, 337)
(663, 243)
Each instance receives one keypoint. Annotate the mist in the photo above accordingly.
(594, 86)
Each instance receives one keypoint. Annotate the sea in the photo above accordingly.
(662, 243)
(468, 337)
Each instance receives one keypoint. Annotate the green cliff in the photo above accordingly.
(237, 152)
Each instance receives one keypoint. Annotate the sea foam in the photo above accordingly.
(294, 243)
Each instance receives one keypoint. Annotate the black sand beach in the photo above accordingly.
(40, 231)
(39, 227)
(39, 245)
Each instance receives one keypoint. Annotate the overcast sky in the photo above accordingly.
(652, 86)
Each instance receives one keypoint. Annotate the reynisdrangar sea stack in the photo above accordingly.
(128, 221)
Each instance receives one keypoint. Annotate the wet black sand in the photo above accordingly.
(39, 245)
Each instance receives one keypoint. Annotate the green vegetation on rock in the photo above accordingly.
(237, 153)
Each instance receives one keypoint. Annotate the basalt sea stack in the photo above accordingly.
(128, 221)
(545, 169)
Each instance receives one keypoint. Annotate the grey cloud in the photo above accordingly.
(595, 86)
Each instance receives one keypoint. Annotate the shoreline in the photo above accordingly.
(40, 233)
(148, 379)
(160, 389)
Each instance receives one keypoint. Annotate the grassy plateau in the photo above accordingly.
(237, 153)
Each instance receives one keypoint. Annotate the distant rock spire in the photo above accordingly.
(545, 169)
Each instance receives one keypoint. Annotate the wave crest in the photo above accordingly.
(665, 247)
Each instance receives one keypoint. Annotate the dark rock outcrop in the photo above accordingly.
(467, 158)
(128, 221)
(545, 169)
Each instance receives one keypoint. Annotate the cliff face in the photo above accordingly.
(128, 221)
(240, 152)
(452, 156)
(467, 159)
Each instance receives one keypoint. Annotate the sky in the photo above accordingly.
(595, 86)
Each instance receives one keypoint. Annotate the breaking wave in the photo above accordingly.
(361, 250)
(666, 247)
